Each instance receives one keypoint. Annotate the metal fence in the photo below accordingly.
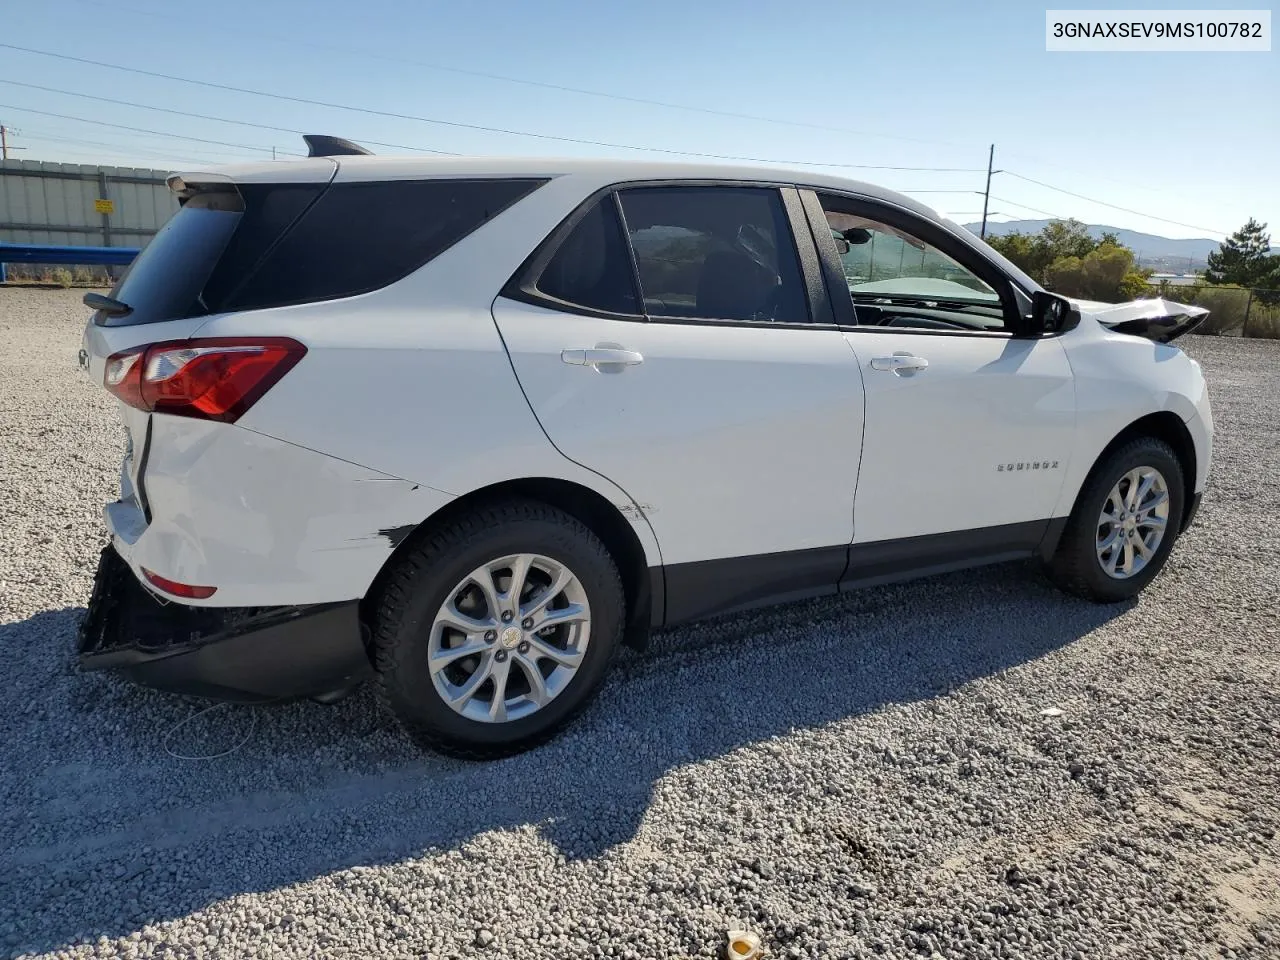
(71, 204)
(1233, 311)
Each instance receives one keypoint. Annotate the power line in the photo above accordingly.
(563, 88)
(203, 116)
(1025, 207)
(471, 126)
(121, 126)
(128, 150)
(151, 147)
(1029, 158)
(1103, 203)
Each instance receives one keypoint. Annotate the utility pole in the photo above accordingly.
(4, 141)
(986, 196)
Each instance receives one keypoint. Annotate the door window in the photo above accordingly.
(592, 267)
(715, 253)
(898, 280)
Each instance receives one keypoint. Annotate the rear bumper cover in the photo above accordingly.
(229, 653)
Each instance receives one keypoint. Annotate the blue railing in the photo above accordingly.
(43, 253)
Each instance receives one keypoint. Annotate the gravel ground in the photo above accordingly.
(861, 776)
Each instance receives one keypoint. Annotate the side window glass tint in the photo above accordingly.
(361, 236)
(592, 266)
(897, 279)
(715, 253)
(269, 209)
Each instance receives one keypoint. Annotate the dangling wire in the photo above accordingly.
(253, 725)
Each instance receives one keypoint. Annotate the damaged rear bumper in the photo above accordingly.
(229, 653)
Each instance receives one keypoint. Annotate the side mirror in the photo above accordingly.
(1051, 314)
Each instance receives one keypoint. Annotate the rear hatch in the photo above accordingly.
(193, 268)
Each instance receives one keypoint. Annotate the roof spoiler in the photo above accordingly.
(323, 145)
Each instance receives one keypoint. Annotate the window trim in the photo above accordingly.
(522, 285)
(923, 229)
(820, 313)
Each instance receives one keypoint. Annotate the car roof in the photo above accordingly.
(358, 168)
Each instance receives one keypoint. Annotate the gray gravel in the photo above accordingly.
(869, 775)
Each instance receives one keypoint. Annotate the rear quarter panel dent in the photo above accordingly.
(268, 522)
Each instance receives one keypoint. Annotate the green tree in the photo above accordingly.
(1244, 258)
(1035, 253)
(1067, 260)
(1105, 273)
(1015, 246)
(1067, 238)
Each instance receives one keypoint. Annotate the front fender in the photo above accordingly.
(1120, 379)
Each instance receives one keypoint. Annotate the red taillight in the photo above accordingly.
(178, 589)
(215, 379)
(123, 376)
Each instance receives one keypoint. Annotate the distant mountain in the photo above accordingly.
(1152, 251)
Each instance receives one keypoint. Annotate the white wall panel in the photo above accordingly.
(54, 202)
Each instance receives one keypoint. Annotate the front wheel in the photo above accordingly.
(1124, 523)
(497, 630)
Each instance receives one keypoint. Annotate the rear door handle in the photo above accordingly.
(899, 363)
(602, 356)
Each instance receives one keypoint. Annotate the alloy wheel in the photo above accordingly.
(1133, 522)
(509, 638)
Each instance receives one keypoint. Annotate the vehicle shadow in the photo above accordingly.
(104, 832)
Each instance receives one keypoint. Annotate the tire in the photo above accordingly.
(1079, 566)
(407, 630)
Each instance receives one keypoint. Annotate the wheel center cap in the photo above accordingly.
(1130, 524)
(510, 637)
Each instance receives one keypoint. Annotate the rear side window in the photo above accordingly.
(269, 210)
(715, 253)
(270, 245)
(362, 236)
(592, 267)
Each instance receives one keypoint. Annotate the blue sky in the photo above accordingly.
(1193, 138)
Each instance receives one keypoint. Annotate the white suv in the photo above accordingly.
(468, 425)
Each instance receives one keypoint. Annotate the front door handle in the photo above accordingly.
(602, 356)
(899, 363)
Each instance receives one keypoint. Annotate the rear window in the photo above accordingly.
(165, 280)
(272, 245)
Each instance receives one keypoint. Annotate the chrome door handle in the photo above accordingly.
(597, 356)
(899, 363)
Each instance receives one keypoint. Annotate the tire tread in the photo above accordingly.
(412, 574)
(1069, 567)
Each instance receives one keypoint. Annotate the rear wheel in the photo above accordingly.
(1124, 523)
(497, 630)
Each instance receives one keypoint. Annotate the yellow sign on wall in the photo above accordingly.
(104, 206)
